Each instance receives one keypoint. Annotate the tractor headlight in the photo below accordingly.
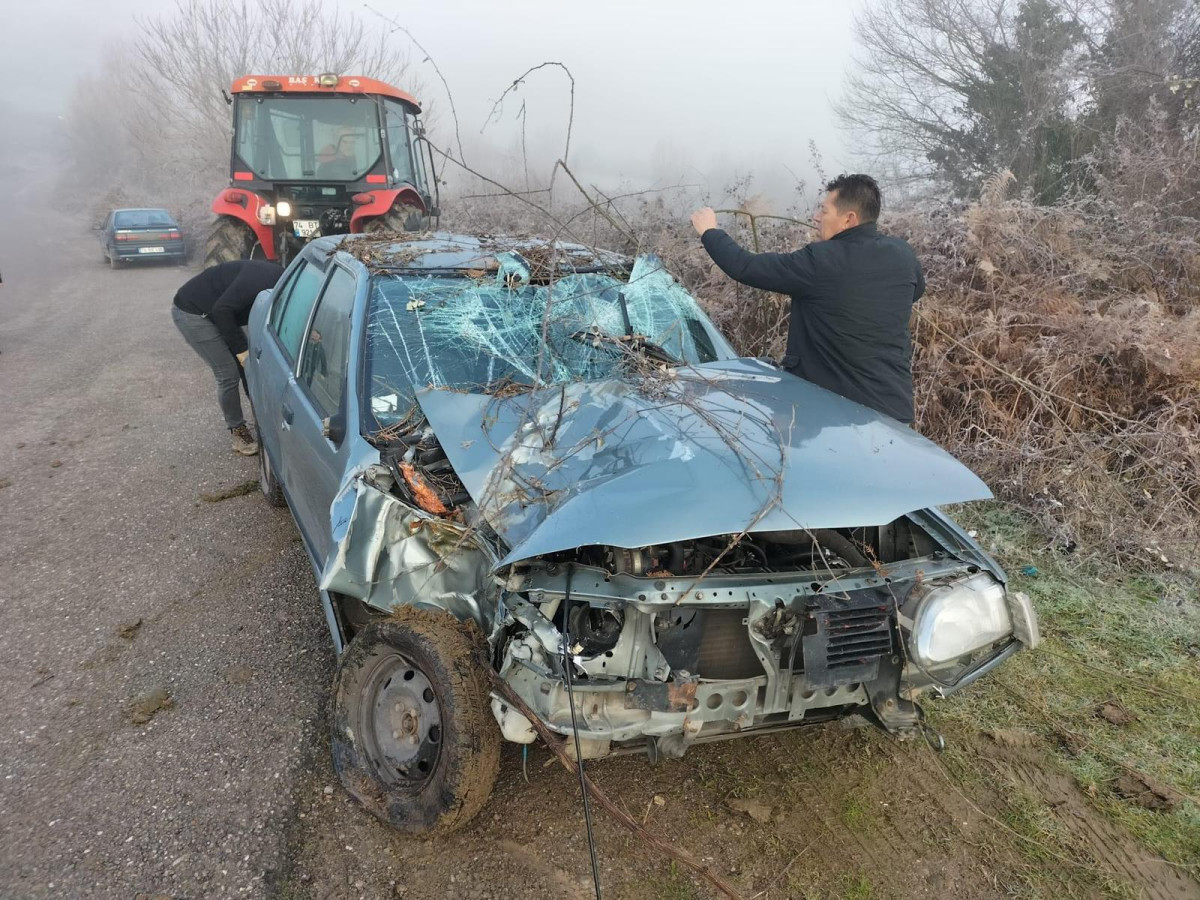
(956, 620)
(283, 209)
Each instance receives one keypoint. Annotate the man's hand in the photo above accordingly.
(241, 357)
(703, 220)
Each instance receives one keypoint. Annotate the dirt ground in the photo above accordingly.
(166, 667)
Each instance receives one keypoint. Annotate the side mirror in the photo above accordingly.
(333, 428)
(97, 227)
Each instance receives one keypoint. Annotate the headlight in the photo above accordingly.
(283, 208)
(957, 619)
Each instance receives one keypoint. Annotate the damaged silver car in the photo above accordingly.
(544, 463)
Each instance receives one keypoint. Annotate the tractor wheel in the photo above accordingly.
(414, 739)
(401, 217)
(229, 240)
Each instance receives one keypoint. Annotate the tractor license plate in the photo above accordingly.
(307, 228)
(152, 249)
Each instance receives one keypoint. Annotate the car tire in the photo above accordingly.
(267, 482)
(401, 217)
(113, 260)
(414, 739)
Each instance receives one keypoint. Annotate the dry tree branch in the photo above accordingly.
(517, 82)
(396, 26)
(555, 744)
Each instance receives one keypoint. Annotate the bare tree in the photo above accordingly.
(196, 52)
(155, 120)
(963, 88)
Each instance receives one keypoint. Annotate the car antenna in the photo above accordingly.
(587, 810)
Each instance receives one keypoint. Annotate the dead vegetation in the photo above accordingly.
(1056, 352)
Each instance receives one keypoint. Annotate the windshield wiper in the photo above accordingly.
(635, 342)
(625, 314)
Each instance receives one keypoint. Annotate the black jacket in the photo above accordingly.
(852, 297)
(224, 293)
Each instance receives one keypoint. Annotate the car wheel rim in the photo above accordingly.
(402, 731)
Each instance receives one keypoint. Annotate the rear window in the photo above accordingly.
(143, 218)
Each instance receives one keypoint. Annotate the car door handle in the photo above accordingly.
(258, 353)
(288, 415)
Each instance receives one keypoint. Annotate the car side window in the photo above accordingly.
(279, 294)
(327, 349)
(289, 318)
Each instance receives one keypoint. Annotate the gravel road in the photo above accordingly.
(111, 433)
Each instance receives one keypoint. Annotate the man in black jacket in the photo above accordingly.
(852, 294)
(210, 311)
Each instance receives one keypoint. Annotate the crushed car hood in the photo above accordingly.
(684, 453)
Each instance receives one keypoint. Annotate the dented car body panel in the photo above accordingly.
(388, 554)
(604, 463)
(557, 445)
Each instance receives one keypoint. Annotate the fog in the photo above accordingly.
(666, 92)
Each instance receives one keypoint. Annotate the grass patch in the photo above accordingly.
(856, 887)
(855, 815)
(674, 885)
(1106, 634)
(1055, 863)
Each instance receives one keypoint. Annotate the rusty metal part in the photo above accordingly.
(425, 495)
(660, 696)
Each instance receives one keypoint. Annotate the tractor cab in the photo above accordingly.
(318, 155)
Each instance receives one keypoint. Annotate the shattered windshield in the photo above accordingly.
(483, 334)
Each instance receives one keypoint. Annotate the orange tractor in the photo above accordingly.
(320, 154)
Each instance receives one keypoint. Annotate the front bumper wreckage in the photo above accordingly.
(734, 654)
(664, 662)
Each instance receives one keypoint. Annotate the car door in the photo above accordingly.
(106, 233)
(316, 444)
(276, 348)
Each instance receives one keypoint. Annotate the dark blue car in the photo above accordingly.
(134, 235)
(542, 464)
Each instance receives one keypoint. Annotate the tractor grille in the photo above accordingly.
(856, 636)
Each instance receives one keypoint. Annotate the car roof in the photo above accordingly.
(450, 251)
(143, 209)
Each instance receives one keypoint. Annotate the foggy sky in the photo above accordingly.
(666, 91)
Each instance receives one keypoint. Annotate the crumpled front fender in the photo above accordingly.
(388, 554)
